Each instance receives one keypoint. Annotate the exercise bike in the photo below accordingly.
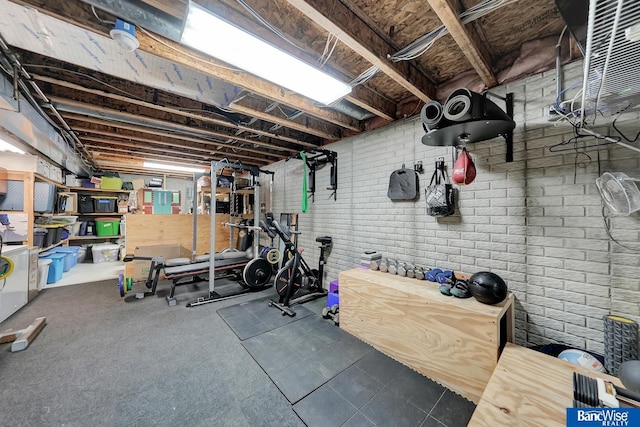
(295, 273)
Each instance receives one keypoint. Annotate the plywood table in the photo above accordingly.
(454, 341)
(529, 388)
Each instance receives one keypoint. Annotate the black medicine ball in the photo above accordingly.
(487, 287)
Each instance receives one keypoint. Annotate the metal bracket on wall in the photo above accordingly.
(317, 159)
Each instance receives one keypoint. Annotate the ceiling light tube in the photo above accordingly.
(164, 166)
(5, 146)
(209, 34)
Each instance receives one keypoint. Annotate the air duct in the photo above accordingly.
(27, 126)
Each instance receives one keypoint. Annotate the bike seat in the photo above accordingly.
(324, 240)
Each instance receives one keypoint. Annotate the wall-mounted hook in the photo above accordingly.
(418, 167)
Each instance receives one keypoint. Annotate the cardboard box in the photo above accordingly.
(138, 183)
(141, 267)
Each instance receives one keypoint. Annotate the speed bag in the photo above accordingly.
(464, 171)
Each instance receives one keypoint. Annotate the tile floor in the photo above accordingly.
(333, 379)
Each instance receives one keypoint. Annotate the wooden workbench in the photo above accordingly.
(529, 388)
(453, 341)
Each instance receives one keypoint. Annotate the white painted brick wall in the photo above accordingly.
(536, 221)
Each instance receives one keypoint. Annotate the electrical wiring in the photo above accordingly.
(102, 21)
(78, 73)
(422, 44)
(266, 23)
(364, 76)
(619, 131)
(326, 54)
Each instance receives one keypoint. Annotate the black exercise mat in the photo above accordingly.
(256, 317)
(302, 356)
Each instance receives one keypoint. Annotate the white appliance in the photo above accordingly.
(14, 289)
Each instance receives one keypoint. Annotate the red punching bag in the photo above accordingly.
(464, 171)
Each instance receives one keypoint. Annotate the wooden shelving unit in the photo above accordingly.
(95, 190)
(93, 237)
(60, 243)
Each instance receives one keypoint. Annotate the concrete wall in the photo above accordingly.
(536, 221)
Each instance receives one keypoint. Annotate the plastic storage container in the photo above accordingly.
(71, 258)
(54, 234)
(85, 203)
(106, 252)
(107, 226)
(111, 183)
(39, 237)
(82, 254)
(43, 272)
(55, 268)
(44, 197)
(104, 204)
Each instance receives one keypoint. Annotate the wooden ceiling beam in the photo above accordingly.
(133, 145)
(123, 164)
(63, 104)
(217, 69)
(115, 127)
(256, 108)
(475, 52)
(361, 96)
(140, 154)
(342, 22)
(90, 96)
(130, 141)
(78, 13)
(207, 119)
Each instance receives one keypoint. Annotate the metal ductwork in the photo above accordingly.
(21, 121)
(139, 13)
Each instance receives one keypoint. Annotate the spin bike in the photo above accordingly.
(296, 274)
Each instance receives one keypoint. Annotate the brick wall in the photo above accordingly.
(535, 221)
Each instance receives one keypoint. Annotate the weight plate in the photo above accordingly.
(281, 282)
(256, 273)
(273, 256)
(121, 284)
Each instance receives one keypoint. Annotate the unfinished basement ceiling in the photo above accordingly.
(168, 102)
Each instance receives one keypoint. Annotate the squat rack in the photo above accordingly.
(215, 167)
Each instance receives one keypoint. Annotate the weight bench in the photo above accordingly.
(178, 269)
(194, 270)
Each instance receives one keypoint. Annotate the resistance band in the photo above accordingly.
(305, 199)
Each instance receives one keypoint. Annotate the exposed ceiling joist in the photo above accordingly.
(83, 108)
(473, 50)
(92, 140)
(177, 111)
(140, 154)
(95, 125)
(340, 21)
(78, 13)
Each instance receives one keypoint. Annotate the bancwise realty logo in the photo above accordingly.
(603, 417)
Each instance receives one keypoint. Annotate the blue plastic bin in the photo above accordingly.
(56, 268)
(71, 255)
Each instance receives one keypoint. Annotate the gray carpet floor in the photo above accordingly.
(101, 361)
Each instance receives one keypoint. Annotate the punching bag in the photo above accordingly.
(464, 171)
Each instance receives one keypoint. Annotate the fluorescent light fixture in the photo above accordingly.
(5, 146)
(633, 33)
(163, 166)
(207, 33)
